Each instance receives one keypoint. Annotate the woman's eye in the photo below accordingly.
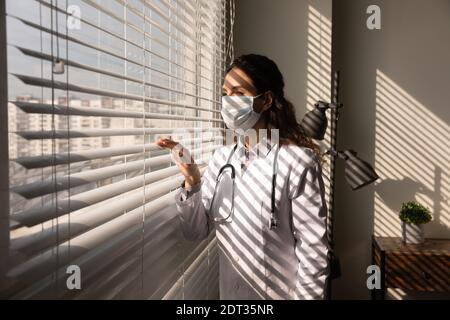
(236, 93)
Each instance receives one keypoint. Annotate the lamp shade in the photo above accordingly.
(358, 173)
(315, 122)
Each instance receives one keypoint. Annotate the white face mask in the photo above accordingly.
(237, 112)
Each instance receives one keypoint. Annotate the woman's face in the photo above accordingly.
(238, 83)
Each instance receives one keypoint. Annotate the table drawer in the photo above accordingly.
(418, 272)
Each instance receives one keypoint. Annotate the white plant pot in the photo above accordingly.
(412, 233)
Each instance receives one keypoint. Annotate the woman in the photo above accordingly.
(264, 253)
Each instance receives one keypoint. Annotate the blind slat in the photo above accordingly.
(192, 266)
(88, 133)
(99, 280)
(42, 161)
(47, 57)
(48, 5)
(91, 217)
(46, 83)
(42, 264)
(120, 247)
(85, 219)
(37, 214)
(96, 48)
(50, 185)
(41, 108)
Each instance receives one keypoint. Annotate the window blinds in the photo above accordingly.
(88, 187)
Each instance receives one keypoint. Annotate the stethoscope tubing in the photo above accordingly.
(273, 224)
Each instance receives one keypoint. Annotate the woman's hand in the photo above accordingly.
(190, 170)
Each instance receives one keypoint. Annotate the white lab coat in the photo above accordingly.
(289, 262)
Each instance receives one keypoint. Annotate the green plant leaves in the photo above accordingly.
(413, 212)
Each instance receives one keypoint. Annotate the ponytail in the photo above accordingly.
(281, 115)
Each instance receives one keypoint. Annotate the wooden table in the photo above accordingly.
(418, 267)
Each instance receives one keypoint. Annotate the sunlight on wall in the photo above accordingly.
(412, 159)
(319, 69)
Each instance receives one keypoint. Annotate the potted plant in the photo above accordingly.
(413, 216)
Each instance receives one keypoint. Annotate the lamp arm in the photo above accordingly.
(334, 105)
(328, 105)
(339, 154)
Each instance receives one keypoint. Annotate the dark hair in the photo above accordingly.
(281, 115)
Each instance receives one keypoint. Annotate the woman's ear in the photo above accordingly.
(268, 100)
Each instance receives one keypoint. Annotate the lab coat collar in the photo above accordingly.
(260, 149)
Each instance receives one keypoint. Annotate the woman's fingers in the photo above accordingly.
(180, 154)
(181, 157)
(166, 143)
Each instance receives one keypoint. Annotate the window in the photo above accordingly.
(91, 85)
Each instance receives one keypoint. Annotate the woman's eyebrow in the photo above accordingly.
(236, 88)
(233, 89)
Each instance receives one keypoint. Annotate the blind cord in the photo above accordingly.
(143, 182)
(230, 45)
(68, 140)
(58, 64)
(54, 177)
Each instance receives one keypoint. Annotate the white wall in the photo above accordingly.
(395, 89)
(282, 30)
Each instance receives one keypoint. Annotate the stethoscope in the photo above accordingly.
(273, 223)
